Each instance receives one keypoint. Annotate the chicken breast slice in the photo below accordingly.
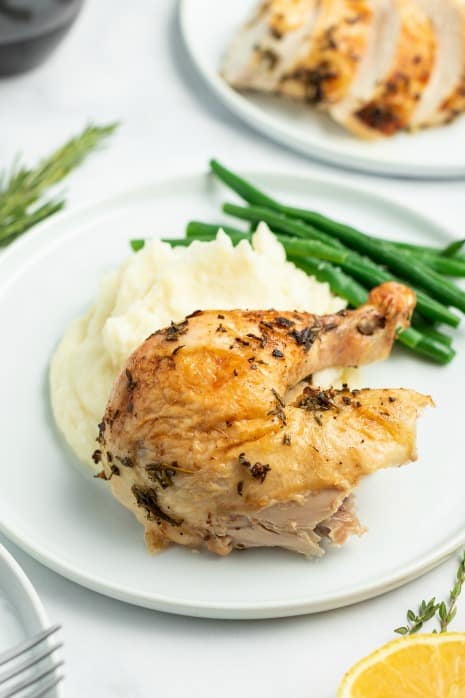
(444, 96)
(339, 42)
(200, 443)
(308, 51)
(270, 45)
(397, 68)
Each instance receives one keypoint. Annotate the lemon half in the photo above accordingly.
(418, 666)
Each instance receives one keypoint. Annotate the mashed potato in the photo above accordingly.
(149, 290)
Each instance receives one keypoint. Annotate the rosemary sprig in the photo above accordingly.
(11, 231)
(445, 612)
(22, 189)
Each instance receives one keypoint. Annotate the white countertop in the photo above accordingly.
(126, 61)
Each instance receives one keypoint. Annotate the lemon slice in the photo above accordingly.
(418, 666)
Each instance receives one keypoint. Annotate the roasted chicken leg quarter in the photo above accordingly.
(214, 437)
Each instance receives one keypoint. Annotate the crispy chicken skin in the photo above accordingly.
(205, 442)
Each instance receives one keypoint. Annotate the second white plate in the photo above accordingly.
(208, 27)
(70, 522)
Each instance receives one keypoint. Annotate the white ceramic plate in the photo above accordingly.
(21, 612)
(207, 28)
(70, 522)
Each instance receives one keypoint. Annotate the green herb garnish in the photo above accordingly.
(147, 498)
(22, 190)
(444, 612)
(448, 611)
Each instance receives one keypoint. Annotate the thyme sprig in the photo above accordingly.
(448, 612)
(444, 612)
(22, 189)
(415, 621)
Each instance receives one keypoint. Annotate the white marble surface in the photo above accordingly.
(125, 61)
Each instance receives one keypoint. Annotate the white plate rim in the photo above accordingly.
(25, 589)
(260, 121)
(241, 610)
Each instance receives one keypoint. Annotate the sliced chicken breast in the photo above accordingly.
(397, 67)
(444, 96)
(205, 441)
(271, 44)
(375, 62)
(378, 66)
(308, 51)
(339, 42)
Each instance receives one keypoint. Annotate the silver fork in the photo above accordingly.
(16, 677)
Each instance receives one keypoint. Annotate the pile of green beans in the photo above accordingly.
(351, 262)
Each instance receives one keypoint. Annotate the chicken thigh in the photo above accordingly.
(207, 441)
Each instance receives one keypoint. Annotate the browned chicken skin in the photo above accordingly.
(205, 441)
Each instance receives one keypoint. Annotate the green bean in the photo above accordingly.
(448, 266)
(411, 247)
(364, 269)
(367, 272)
(245, 190)
(340, 284)
(428, 249)
(370, 275)
(195, 229)
(453, 249)
(426, 346)
(346, 287)
(137, 244)
(419, 273)
(402, 264)
(430, 331)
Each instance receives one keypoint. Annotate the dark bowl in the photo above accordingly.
(30, 30)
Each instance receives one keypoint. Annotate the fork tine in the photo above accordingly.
(27, 644)
(47, 687)
(31, 681)
(28, 663)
